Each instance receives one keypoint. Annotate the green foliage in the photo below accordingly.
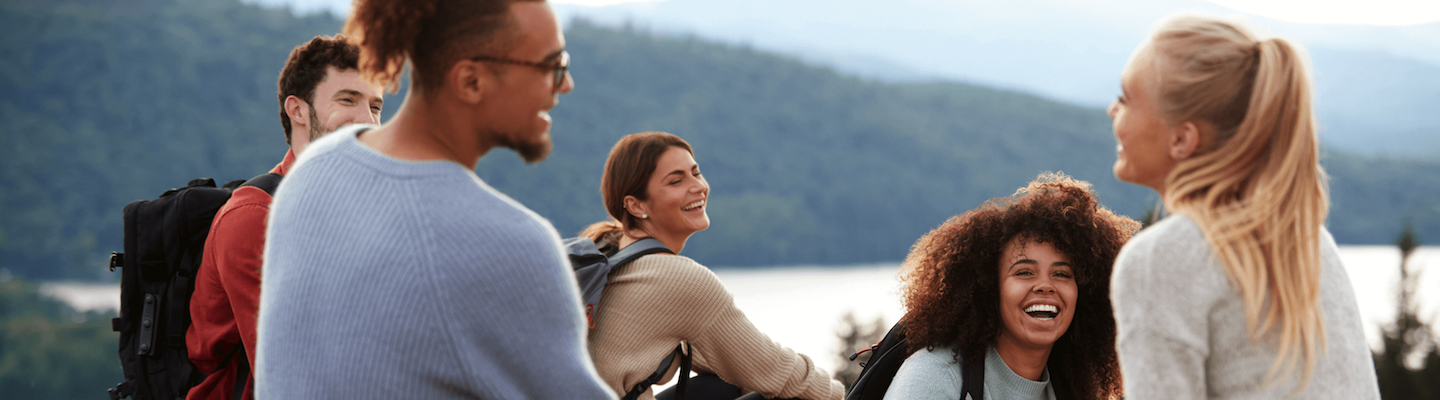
(107, 102)
(103, 102)
(50, 351)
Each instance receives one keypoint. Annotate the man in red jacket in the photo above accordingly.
(320, 90)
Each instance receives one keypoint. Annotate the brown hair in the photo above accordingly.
(951, 282)
(432, 34)
(1255, 186)
(308, 66)
(627, 173)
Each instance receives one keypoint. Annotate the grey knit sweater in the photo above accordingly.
(388, 279)
(1183, 334)
(936, 374)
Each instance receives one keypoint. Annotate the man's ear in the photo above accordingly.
(636, 207)
(298, 111)
(1184, 140)
(470, 80)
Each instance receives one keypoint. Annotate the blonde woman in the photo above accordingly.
(1241, 292)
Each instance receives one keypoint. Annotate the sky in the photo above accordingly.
(1370, 12)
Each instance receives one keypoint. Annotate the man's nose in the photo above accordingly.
(568, 84)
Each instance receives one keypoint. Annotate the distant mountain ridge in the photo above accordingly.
(111, 101)
(1377, 86)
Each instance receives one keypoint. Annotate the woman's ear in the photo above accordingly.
(636, 207)
(1184, 140)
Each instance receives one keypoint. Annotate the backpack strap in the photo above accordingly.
(242, 376)
(242, 369)
(685, 358)
(972, 380)
(630, 253)
(267, 182)
(682, 349)
(636, 250)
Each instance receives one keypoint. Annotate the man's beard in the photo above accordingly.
(532, 152)
(316, 131)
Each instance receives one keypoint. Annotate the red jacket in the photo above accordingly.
(226, 301)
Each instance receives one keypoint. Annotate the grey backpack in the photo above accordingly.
(592, 270)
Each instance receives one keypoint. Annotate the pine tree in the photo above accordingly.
(1406, 337)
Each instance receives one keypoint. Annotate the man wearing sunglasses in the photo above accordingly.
(392, 270)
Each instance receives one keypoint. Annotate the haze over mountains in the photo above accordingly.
(1378, 87)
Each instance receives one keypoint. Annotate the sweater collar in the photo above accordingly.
(1006, 384)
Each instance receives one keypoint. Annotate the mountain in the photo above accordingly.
(103, 102)
(1377, 85)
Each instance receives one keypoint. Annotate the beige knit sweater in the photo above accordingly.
(659, 300)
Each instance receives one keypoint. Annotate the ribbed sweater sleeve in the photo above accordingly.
(657, 301)
(393, 279)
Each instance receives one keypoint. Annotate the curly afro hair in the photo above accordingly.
(951, 283)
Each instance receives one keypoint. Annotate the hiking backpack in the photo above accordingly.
(164, 241)
(593, 267)
(885, 359)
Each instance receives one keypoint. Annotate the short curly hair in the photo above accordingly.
(308, 65)
(951, 282)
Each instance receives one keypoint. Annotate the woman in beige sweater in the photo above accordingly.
(652, 188)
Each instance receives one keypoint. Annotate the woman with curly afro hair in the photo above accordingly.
(1021, 285)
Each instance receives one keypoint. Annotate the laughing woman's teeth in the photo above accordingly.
(1043, 312)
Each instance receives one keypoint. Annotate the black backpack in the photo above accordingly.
(593, 267)
(164, 241)
(885, 360)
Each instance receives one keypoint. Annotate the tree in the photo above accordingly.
(854, 336)
(1410, 358)
(51, 351)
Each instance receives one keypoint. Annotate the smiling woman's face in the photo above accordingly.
(1037, 295)
(676, 193)
(1141, 153)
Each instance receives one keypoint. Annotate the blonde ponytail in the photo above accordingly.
(1255, 187)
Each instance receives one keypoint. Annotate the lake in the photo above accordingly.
(800, 306)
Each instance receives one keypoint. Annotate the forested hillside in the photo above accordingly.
(103, 102)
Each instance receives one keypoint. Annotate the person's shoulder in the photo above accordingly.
(1178, 228)
(937, 357)
(675, 277)
(247, 208)
(1175, 240)
(676, 268)
(341, 138)
(1171, 257)
(668, 260)
(484, 208)
(927, 373)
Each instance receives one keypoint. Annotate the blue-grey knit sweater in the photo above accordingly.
(390, 279)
